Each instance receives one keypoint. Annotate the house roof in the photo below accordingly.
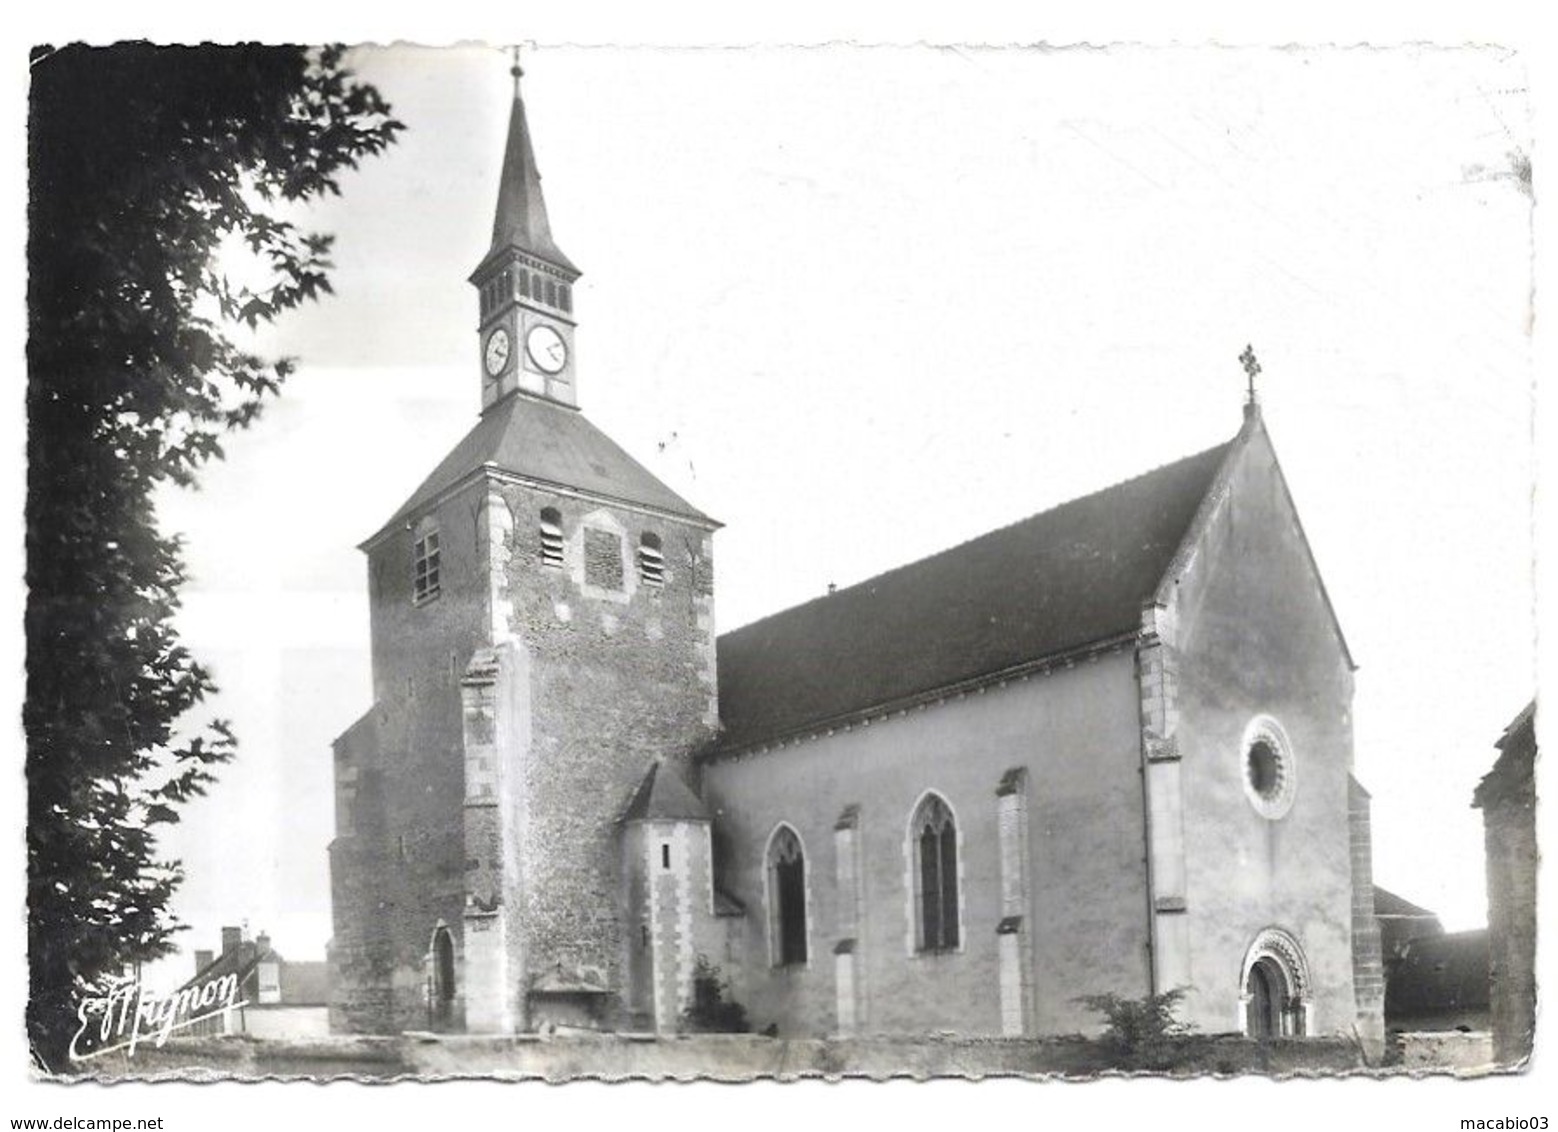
(1512, 778)
(551, 444)
(1387, 903)
(1069, 577)
(1441, 973)
(663, 796)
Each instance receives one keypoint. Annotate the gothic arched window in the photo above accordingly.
(933, 841)
(787, 897)
(551, 537)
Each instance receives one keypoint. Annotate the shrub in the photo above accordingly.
(711, 1012)
(1142, 1031)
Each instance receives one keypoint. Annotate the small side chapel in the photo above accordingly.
(1106, 748)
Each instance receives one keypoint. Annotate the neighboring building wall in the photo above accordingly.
(1245, 633)
(1368, 966)
(1507, 796)
(287, 1022)
(1075, 732)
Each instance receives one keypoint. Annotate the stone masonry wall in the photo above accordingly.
(621, 674)
(399, 872)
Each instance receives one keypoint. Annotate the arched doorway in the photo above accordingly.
(1263, 992)
(1274, 990)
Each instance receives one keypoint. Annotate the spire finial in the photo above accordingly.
(1252, 369)
(516, 70)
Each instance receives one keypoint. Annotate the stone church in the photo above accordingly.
(1107, 748)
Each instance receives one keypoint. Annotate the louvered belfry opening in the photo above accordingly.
(551, 537)
(651, 560)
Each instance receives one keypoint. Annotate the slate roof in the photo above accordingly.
(1401, 922)
(1066, 578)
(520, 219)
(663, 796)
(1439, 974)
(553, 444)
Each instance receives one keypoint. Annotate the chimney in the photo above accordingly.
(202, 960)
(231, 938)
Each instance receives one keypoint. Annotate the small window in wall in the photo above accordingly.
(425, 568)
(551, 293)
(524, 284)
(551, 537)
(665, 854)
(933, 837)
(651, 561)
(443, 972)
(787, 890)
(565, 297)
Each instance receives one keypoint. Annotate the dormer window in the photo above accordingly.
(651, 561)
(551, 537)
(424, 568)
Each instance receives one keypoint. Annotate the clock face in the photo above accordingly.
(548, 352)
(496, 356)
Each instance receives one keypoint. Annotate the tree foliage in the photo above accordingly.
(142, 162)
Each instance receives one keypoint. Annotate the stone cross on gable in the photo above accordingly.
(1251, 367)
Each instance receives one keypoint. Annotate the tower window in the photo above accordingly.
(524, 283)
(651, 562)
(934, 844)
(565, 297)
(551, 537)
(787, 896)
(551, 293)
(425, 568)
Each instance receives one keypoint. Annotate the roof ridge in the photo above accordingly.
(989, 534)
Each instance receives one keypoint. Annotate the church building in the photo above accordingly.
(1105, 749)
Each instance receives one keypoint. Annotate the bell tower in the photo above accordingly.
(525, 285)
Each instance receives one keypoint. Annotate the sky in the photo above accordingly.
(874, 302)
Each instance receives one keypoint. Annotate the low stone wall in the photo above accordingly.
(1444, 1051)
(736, 1057)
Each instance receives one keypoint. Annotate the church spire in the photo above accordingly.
(525, 285)
(521, 220)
